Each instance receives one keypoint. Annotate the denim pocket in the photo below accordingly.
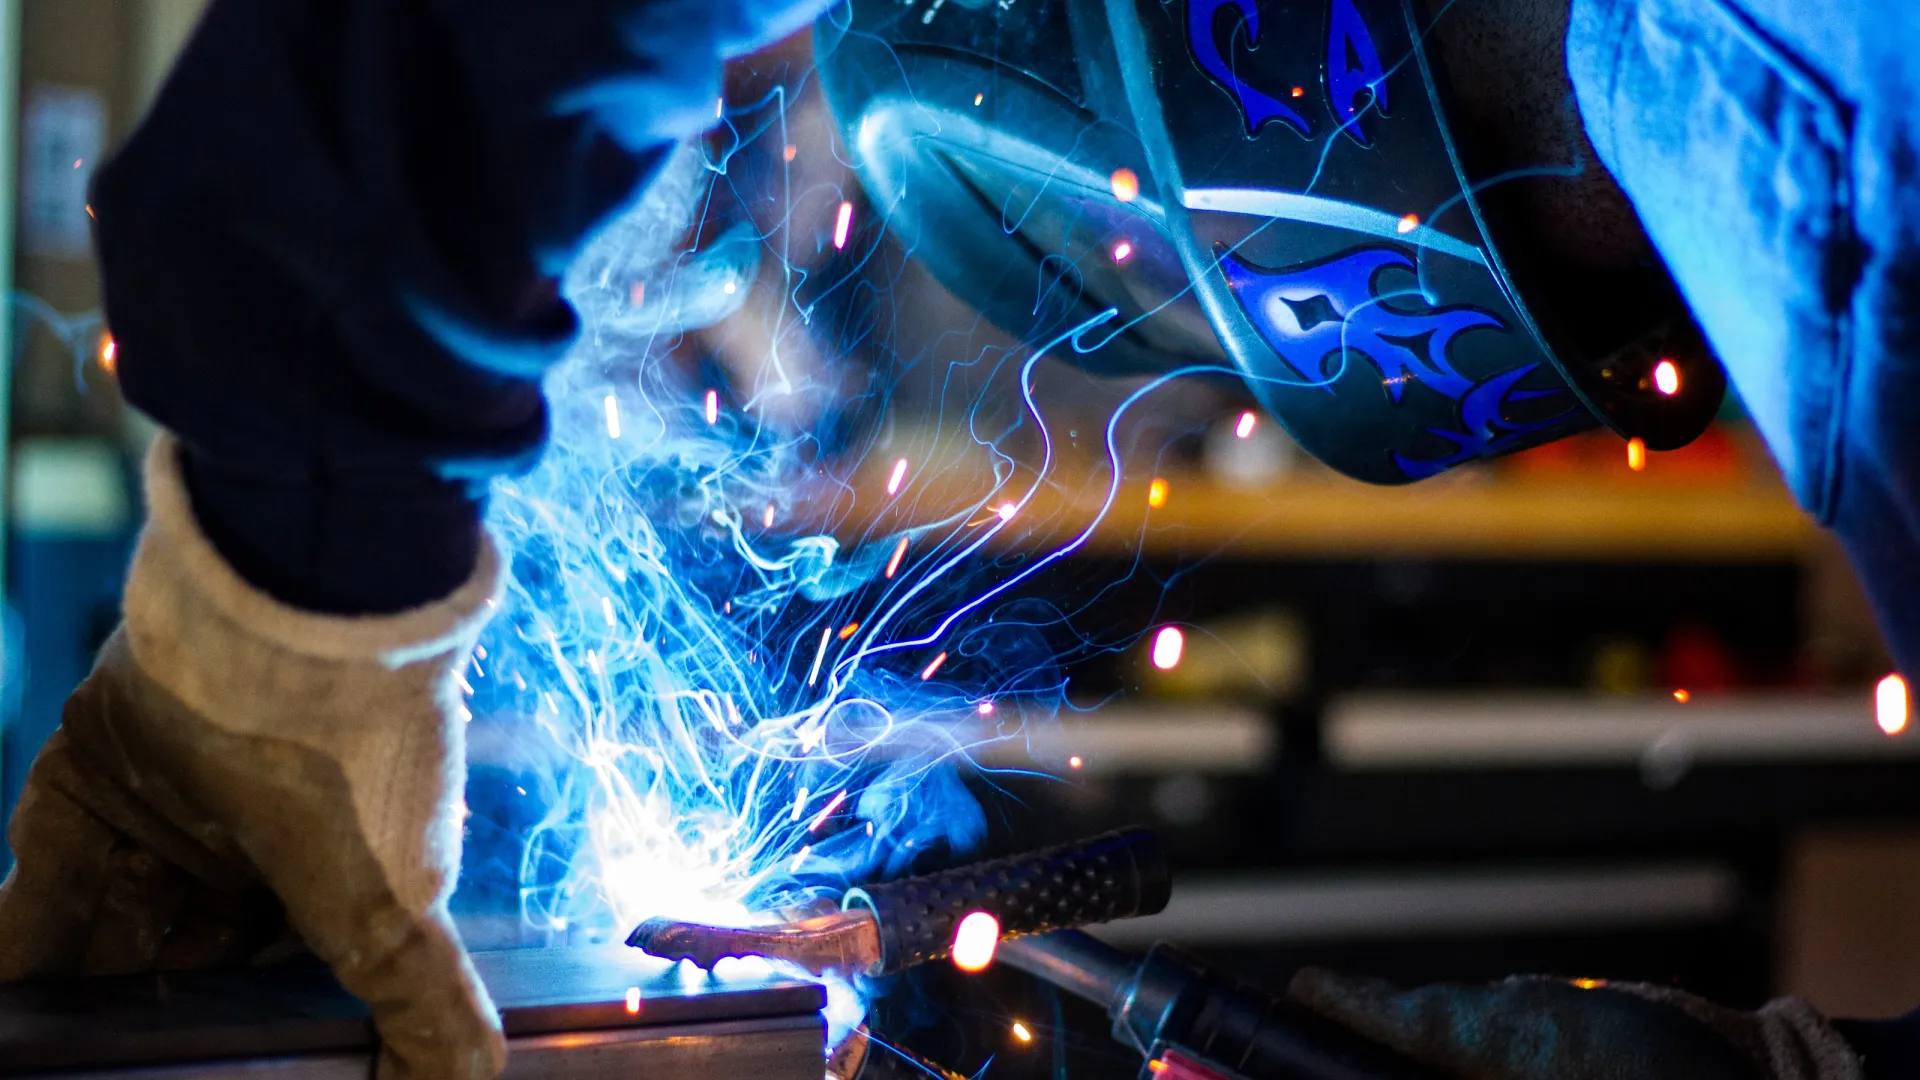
(1737, 157)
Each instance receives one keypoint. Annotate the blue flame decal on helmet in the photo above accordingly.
(1257, 106)
(1484, 432)
(1323, 309)
(1355, 79)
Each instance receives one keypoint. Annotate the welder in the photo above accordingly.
(329, 258)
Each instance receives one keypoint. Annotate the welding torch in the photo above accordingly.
(1189, 1022)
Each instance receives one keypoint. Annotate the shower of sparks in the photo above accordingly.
(663, 749)
(841, 224)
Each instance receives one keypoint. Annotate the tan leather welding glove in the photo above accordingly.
(232, 762)
(1532, 1028)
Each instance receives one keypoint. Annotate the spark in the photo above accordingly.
(1589, 984)
(109, 354)
(90, 210)
(1125, 183)
(713, 406)
(985, 708)
(841, 224)
(1157, 493)
(805, 850)
(633, 1001)
(899, 552)
(821, 818)
(1636, 454)
(730, 288)
(1244, 429)
(1408, 224)
(898, 475)
(719, 107)
(826, 635)
(1682, 696)
(1020, 1032)
(1891, 704)
(977, 99)
(1122, 251)
(766, 519)
(606, 608)
(637, 294)
(613, 417)
(975, 940)
(1075, 761)
(1299, 91)
(927, 672)
(1666, 378)
(1168, 645)
(1005, 511)
(849, 630)
(790, 152)
(800, 804)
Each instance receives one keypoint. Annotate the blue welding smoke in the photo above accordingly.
(702, 738)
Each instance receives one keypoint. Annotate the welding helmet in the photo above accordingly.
(1264, 185)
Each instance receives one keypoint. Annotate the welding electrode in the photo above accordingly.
(897, 924)
(1195, 1024)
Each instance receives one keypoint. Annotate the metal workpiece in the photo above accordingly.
(569, 1014)
(843, 943)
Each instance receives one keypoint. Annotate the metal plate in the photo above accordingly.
(294, 1019)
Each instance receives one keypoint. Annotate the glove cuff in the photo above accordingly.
(173, 536)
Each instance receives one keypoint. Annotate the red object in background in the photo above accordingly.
(1173, 1065)
(1694, 658)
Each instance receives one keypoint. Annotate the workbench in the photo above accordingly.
(565, 1012)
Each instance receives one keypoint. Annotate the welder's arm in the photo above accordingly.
(328, 258)
(1768, 148)
(1554, 1029)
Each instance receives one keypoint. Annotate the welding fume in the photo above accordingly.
(424, 297)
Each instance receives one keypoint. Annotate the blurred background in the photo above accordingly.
(1586, 710)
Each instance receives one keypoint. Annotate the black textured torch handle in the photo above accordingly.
(1111, 876)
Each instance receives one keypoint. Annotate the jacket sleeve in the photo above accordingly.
(330, 257)
(1769, 148)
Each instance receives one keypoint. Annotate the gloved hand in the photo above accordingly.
(234, 768)
(1532, 1028)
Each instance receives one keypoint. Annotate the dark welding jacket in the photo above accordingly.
(1772, 150)
(330, 254)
